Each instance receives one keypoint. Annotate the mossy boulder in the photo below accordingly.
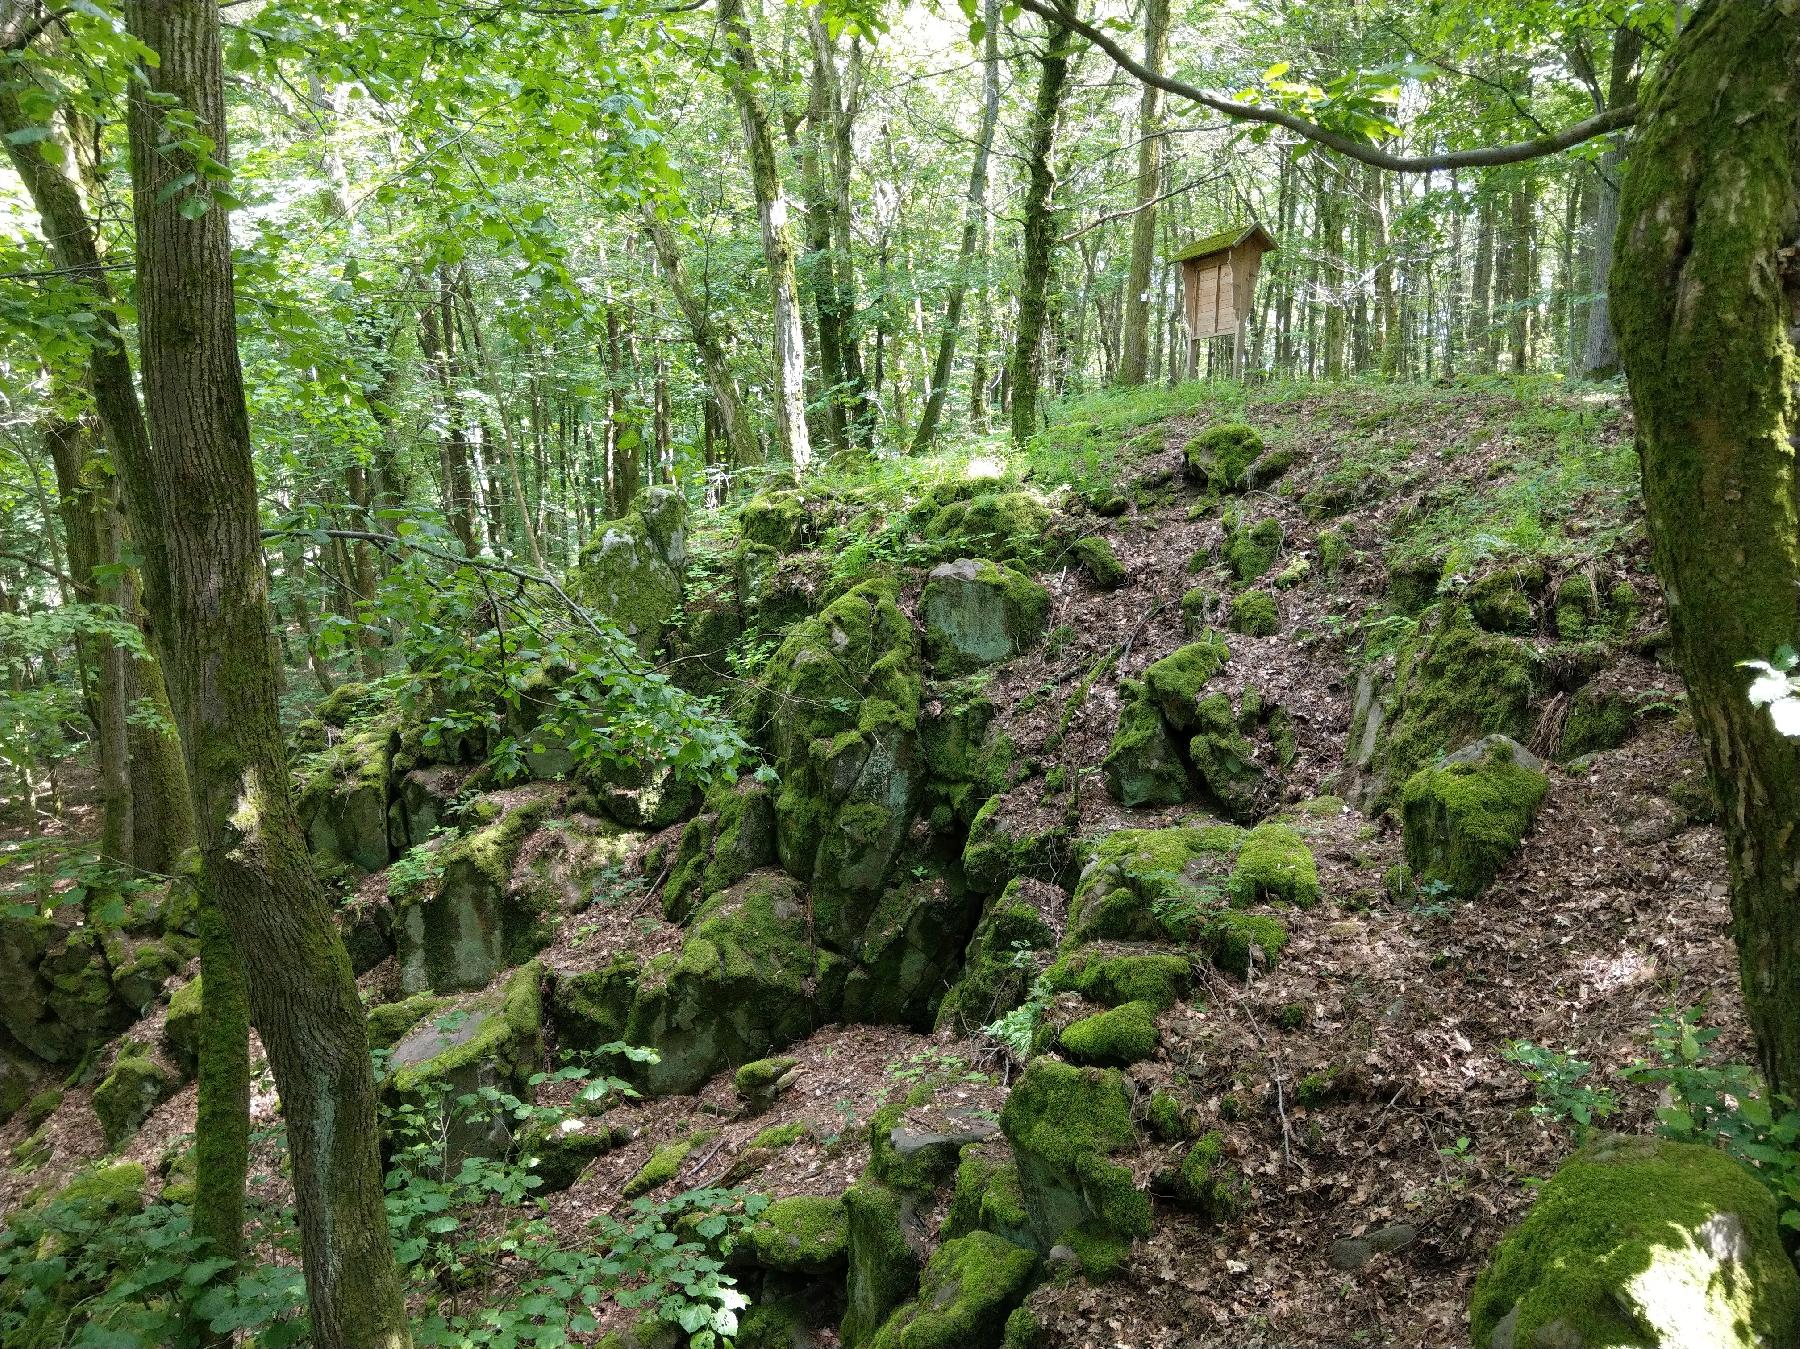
(558, 1151)
(389, 1022)
(910, 951)
(1112, 975)
(779, 519)
(804, 1234)
(760, 1081)
(730, 838)
(1009, 838)
(970, 1286)
(1219, 458)
(181, 1027)
(972, 520)
(135, 1086)
(60, 1000)
(422, 802)
(978, 613)
(841, 702)
(591, 1008)
(1226, 761)
(987, 1197)
(1464, 817)
(1604, 713)
(1251, 549)
(631, 568)
(749, 979)
(491, 1040)
(1201, 609)
(967, 758)
(1205, 1181)
(1139, 882)
(998, 965)
(1176, 683)
(883, 1237)
(342, 799)
(1254, 613)
(1144, 765)
(666, 1161)
(457, 932)
(1065, 1125)
(1118, 1037)
(1097, 558)
(1502, 601)
(1642, 1241)
(1275, 865)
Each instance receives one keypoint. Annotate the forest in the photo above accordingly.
(848, 674)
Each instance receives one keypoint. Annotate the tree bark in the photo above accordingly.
(1706, 301)
(1039, 233)
(205, 583)
(739, 436)
(974, 214)
(1134, 360)
(1600, 351)
(743, 76)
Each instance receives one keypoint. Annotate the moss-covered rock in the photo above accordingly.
(987, 1196)
(999, 965)
(1251, 549)
(1201, 609)
(966, 520)
(631, 568)
(1219, 458)
(1642, 1241)
(969, 1287)
(389, 1022)
(1205, 1181)
(1603, 715)
(1176, 683)
(1065, 1124)
(558, 1151)
(968, 759)
(915, 1149)
(978, 613)
(841, 701)
(1238, 942)
(421, 802)
(883, 1259)
(732, 837)
(456, 933)
(1141, 883)
(1502, 601)
(1119, 1037)
(1112, 976)
(805, 1234)
(342, 799)
(1008, 839)
(1226, 761)
(1275, 866)
(1253, 613)
(590, 1008)
(1144, 765)
(910, 951)
(749, 979)
(779, 519)
(1463, 818)
(493, 1040)
(181, 1027)
(1097, 558)
(665, 1162)
(136, 1085)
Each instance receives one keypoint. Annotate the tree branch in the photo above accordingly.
(1485, 157)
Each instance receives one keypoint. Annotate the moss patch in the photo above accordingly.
(665, 1163)
(1463, 819)
(801, 1235)
(1064, 1123)
(1275, 866)
(1124, 1035)
(968, 1289)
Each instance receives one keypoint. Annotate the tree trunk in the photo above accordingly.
(1521, 273)
(1600, 351)
(1134, 360)
(974, 212)
(1027, 363)
(1481, 321)
(743, 77)
(745, 451)
(205, 583)
(1706, 303)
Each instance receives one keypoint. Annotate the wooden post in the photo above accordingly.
(1193, 358)
(1237, 351)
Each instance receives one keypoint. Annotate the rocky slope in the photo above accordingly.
(1129, 749)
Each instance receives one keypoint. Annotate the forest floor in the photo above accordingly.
(1361, 1083)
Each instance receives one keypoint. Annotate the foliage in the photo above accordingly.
(1557, 1076)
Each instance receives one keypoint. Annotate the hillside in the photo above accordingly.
(1068, 951)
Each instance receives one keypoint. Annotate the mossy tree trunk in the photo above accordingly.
(969, 249)
(206, 588)
(1027, 365)
(1134, 358)
(1705, 300)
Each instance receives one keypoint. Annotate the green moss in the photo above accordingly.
(1577, 607)
(993, 524)
(1143, 883)
(1023, 1330)
(41, 1106)
(1169, 1120)
(1143, 765)
(1412, 582)
(757, 1081)
(1501, 600)
(1463, 819)
(1316, 1089)
(1623, 1247)
(136, 1085)
(1292, 1016)
(1225, 760)
(995, 979)
(1236, 942)
(1155, 979)
(665, 1163)
(1334, 550)
(968, 1289)
(977, 613)
(105, 1192)
(1199, 608)
(1219, 458)
(884, 1268)
(1251, 551)
(1205, 1182)
(1175, 683)
(1275, 866)
(1602, 718)
(1064, 1123)
(778, 519)
(591, 1008)
(558, 1151)
(1099, 561)
(804, 1234)
(631, 569)
(998, 852)
(507, 1035)
(987, 1196)
(781, 1135)
(1124, 1035)
(390, 1021)
(1294, 574)
(919, 1172)
(1254, 614)
(733, 835)
(774, 1323)
(181, 1028)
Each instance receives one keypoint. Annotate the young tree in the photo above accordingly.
(1134, 361)
(1706, 303)
(1039, 259)
(196, 489)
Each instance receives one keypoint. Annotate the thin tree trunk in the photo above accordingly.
(1481, 314)
(974, 214)
(1135, 358)
(1027, 363)
(778, 239)
(1521, 272)
(1705, 300)
(1600, 350)
(196, 490)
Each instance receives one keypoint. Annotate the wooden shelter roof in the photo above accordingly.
(1224, 239)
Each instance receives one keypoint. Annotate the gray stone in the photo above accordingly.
(977, 613)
